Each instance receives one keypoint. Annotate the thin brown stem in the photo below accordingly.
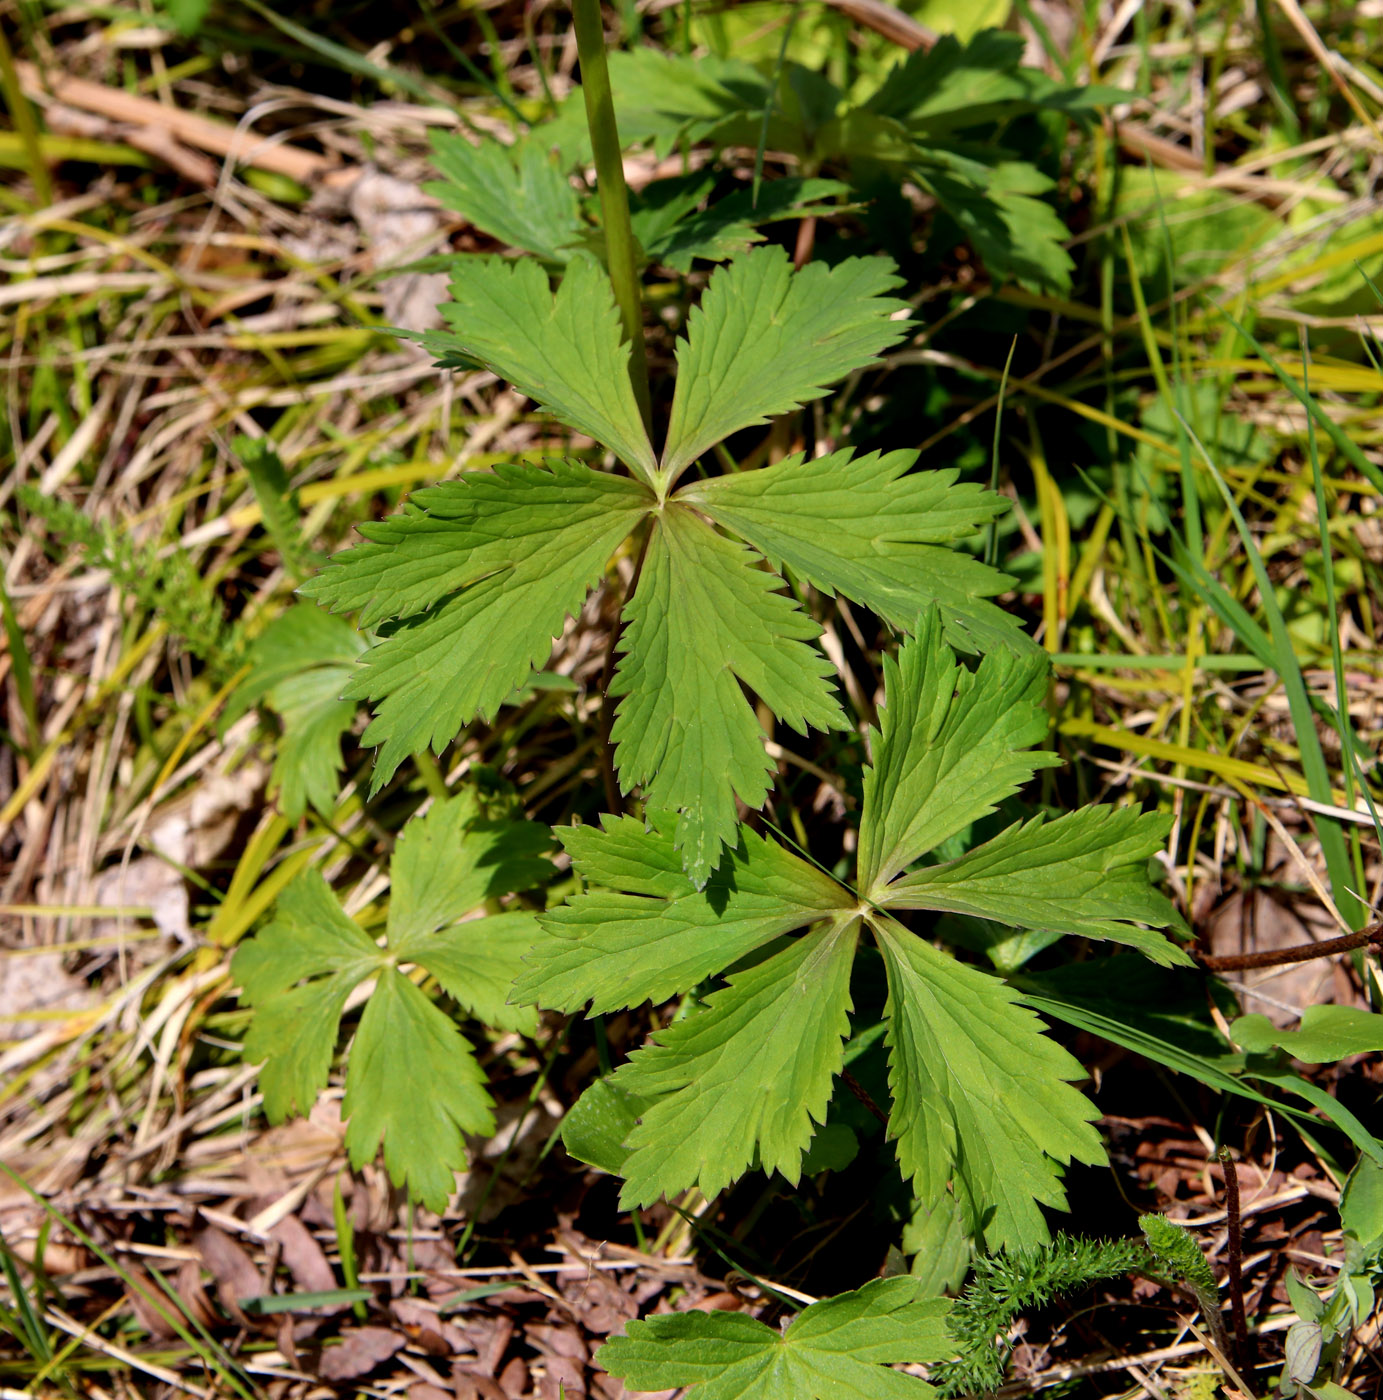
(1301, 952)
(1242, 1346)
(863, 1095)
(806, 242)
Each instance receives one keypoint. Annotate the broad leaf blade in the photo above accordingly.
(703, 620)
(748, 1076)
(294, 1028)
(952, 744)
(293, 1038)
(873, 530)
(1084, 873)
(516, 193)
(979, 1097)
(521, 521)
(1327, 1034)
(663, 99)
(564, 352)
(837, 1349)
(476, 963)
(652, 934)
(671, 233)
(953, 86)
(448, 861)
(300, 666)
(997, 207)
(414, 1087)
(764, 340)
(483, 581)
(310, 936)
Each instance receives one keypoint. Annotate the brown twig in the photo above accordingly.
(175, 124)
(1300, 952)
(863, 1095)
(1242, 1346)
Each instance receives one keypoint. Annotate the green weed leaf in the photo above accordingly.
(952, 87)
(673, 231)
(414, 1088)
(1327, 1034)
(754, 1071)
(517, 194)
(763, 341)
(482, 582)
(413, 1084)
(703, 620)
(838, 1349)
(300, 666)
(952, 744)
(564, 351)
(980, 1097)
(650, 933)
(1077, 874)
(873, 530)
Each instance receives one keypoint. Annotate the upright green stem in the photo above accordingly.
(614, 196)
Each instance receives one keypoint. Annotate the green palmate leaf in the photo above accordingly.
(1327, 1033)
(673, 230)
(997, 207)
(451, 860)
(595, 1126)
(838, 1349)
(955, 87)
(763, 341)
(936, 1238)
(520, 521)
(871, 529)
(564, 351)
(300, 666)
(663, 99)
(651, 933)
(414, 1088)
(470, 583)
(413, 1083)
(483, 582)
(952, 745)
(753, 1073)
(703, 619)
(517, 194)
(293, 1032)
(1077, 874)
(979, 1096)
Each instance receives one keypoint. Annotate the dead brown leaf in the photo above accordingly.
(360, 1351)
(231, 1267)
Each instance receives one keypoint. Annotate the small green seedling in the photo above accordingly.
(413, 1084)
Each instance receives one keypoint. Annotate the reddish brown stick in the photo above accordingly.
(1301, 952)
(1243, 1357)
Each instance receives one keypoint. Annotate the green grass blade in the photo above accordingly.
(21, 670)
(1339, 439)
(770, 98)
(345, 58)
(1313, 765)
